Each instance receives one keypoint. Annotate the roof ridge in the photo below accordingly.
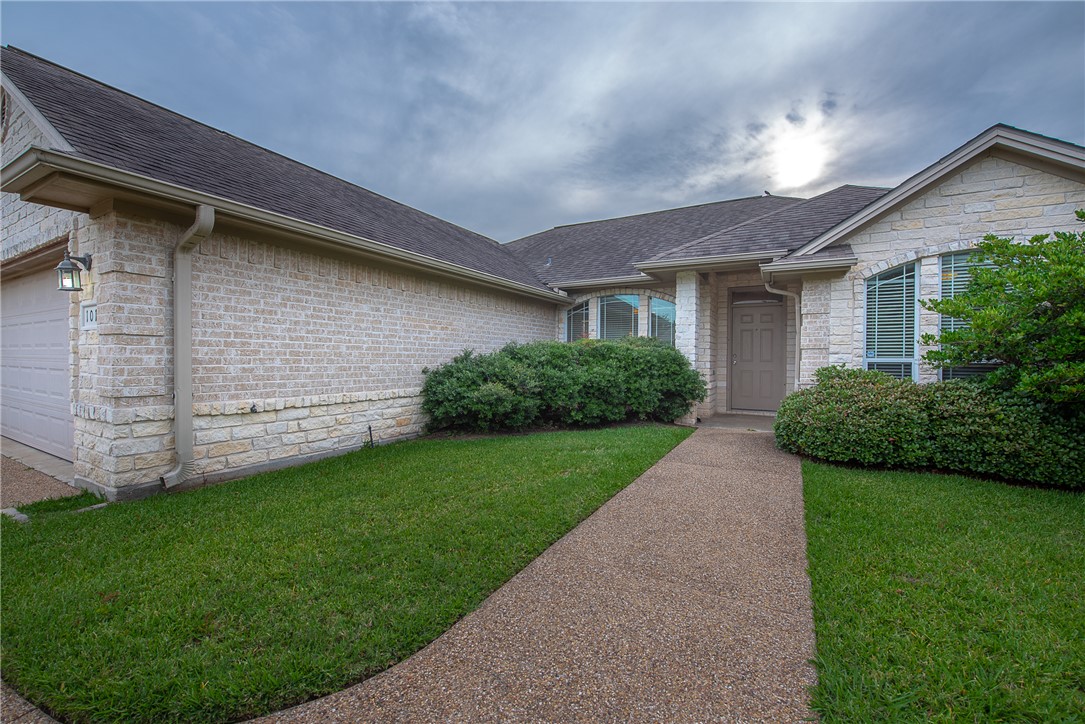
(660, 211)
(855, 186)
(718, 232)
(1015, 129)
(264, 149)
(803, 202)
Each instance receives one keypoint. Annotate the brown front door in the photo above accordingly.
(758, 369)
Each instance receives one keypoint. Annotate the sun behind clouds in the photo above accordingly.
(798, 156)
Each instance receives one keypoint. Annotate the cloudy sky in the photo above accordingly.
(511, 118)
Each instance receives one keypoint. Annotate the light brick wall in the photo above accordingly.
(995, 195)
(123, 404)
(294, 354)
(272, 322)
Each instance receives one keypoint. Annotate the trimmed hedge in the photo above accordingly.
(870, 418)
(558, 384)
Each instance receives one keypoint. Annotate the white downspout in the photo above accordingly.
(798, 327)
(182, 344)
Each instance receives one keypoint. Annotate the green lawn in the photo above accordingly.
(942, 598)
(239, 599)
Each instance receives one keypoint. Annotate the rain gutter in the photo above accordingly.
(798, 327)
(709, 263)
(604, 282)
(800, 265)
(182, 344)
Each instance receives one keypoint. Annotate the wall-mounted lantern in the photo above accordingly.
(68, 272)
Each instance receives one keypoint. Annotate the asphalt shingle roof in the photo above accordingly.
(609, 248)
(117, 129)
(789, 228)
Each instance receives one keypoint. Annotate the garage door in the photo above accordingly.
(35, 390)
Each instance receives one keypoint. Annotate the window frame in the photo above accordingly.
(952, 324)
(631, 300)
(910, 301)
(652, 331)
(580, 308)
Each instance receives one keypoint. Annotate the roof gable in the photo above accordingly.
(999, 137)
(785, 229)
(108, 126)
(609, 249)
(42, 127)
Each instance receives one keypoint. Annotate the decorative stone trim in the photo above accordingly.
(915, 254)
(234, 407)
(622, 290)
(592, 299)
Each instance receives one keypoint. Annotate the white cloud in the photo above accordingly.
(507, 117)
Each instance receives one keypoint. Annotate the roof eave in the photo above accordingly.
(605, 282)
(30, 173)
(791, 269)
(719, 262)
(1051, 150)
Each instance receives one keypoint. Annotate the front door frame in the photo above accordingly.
(770, 300)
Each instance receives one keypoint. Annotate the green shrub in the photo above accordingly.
(856, 416)
(1010, 435)
(555, 384)
(870, 418)
(1026, 310)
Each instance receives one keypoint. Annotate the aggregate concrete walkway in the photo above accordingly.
(28, 475)
(740, 421)
(14, 708)
(51, 465)
(22, 485)
(684, 598)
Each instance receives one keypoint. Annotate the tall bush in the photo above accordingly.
(1027, 311)
(869, 418)
(589, 382)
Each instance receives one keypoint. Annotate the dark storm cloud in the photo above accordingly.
(510, 118)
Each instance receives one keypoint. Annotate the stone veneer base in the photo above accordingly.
(144, 490)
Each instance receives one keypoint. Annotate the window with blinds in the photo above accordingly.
(618, 316)
(661, 316)
(576, 322)
(890, 322)
(956, 275)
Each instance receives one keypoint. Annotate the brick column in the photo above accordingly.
(690, 307)
(122, 405)
(930, 287)
(687, 299)
(706, 342)
(643, 326)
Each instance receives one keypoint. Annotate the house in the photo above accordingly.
(307, 307)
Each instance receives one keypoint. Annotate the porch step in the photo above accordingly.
(735, 421)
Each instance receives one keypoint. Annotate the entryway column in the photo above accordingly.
(693, 331)
(687, 296)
